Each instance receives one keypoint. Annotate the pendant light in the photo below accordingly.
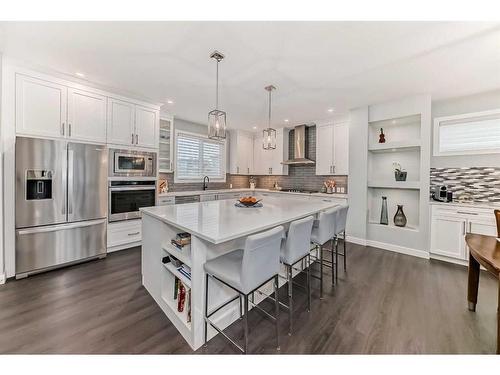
(216, 118)
(269, 134)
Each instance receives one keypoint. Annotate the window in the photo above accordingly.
(197, 156)
(473, 133)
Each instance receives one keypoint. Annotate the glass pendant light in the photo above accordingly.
(217, 118)
(269, 134)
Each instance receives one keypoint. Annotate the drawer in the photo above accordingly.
(124, 232)
(477, 213)
(165, 201)
(224, 196)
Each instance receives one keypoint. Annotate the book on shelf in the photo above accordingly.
(176, 287)
(188, 306)
(185, 270)
(182, 297)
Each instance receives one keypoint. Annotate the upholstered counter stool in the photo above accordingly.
(294, 249)
(340, 226)
(324, 231)
(245, 271)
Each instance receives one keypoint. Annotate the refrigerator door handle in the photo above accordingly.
(70, 181)
(64, 179)
(53, 228)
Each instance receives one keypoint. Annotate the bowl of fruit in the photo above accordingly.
(249, 201)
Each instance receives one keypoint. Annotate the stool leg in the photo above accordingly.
(334, 264)
(206, 309)
(336, 259)
(290, 303)
(345, 255)
(308, 282)
(321, 272)
(245, 323)
(277, 311)
(241, 308)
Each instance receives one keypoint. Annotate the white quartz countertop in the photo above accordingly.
(220, 221)
(491, 205)
(221, 191)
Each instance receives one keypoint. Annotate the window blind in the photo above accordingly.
(469, 135)
(198, 156)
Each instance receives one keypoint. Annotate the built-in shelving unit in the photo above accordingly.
(402, 146)
(165, 147)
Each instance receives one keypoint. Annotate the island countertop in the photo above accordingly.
(220, 221)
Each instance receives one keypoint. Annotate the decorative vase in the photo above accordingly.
(400, 218)
(383, 213)
(381, 137)
(400, 175)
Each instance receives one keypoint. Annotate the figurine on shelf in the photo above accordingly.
(399, 173)
(400, 217)
(381, 137)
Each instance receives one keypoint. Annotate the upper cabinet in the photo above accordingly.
(270, 162)
(121, 122)
(54, 108)
(40, 107)
(166, 145)
(132, 125)
(241, 153)
(332, 148)
(86, 116)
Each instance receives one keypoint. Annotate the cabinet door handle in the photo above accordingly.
(133, 234)
(248, 170)
(470, 226)
(237, 169)
(170, 165)
(137, 139)
(463, 228)
(333, 168)
(62, 128)
(132, 138)
(69, 130)
(467, 213)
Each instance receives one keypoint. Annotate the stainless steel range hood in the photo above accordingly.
(299, 148)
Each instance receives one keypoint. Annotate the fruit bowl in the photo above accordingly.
(249, 201)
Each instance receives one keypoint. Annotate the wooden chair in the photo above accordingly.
(497, 216)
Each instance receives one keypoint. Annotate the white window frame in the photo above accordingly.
(439, 120)
(192, 180)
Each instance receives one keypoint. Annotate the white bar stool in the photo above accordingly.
(323, 231)
(245, 271)
(294, 249)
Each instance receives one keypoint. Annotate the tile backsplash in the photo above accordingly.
(299, 176)
(481, 184)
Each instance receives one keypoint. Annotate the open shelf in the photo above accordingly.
(170, 267)
(391, 226)
(183, 255)
(397, 146)
(167, 296)
(409, 185)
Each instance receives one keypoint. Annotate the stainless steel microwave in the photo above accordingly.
(131, 163)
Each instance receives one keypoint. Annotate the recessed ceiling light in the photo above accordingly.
(170, 101)
(393, 121)
(254, 127)
(286, 120)
(80, 74)
(330, 110)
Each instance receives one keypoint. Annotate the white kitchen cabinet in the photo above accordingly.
(121, 118)
(447, 236)
(132, 125)
(146, 127)
(166, 145)
(241, 153)
(40, 107)
(341, 148)
(124, 234)
(86, 116)
(269, 162)
(324, 149)
(332, 148)
(449, 224)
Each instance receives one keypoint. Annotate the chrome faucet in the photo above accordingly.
(206, 180)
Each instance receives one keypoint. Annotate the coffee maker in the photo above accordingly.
(441, 194)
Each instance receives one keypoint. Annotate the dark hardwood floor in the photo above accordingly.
(385, 303)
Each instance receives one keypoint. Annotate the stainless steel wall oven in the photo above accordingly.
(127, 196)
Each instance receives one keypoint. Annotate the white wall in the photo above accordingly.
(466, 104)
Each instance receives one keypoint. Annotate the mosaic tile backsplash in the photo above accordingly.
(481, 184)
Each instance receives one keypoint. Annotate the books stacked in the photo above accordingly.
(181, 240)
(183, 296)
(185, 270)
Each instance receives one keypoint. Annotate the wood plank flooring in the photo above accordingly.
(385, 303)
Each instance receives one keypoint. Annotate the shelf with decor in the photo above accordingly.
(395, 146)
(165, 145)
(391, 226)
(170, 294)
(411, 185)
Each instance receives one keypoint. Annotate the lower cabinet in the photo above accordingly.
(124, 234)
(450, 224)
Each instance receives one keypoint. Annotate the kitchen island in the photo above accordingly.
(216, 227)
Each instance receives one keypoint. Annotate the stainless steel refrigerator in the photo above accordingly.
(61, 203)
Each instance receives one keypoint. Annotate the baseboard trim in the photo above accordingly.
(123, 247)
(449, 260)
(399, 249)
(356, 240)
(2, 278)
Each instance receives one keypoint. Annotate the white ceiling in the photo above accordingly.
(315, 65)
